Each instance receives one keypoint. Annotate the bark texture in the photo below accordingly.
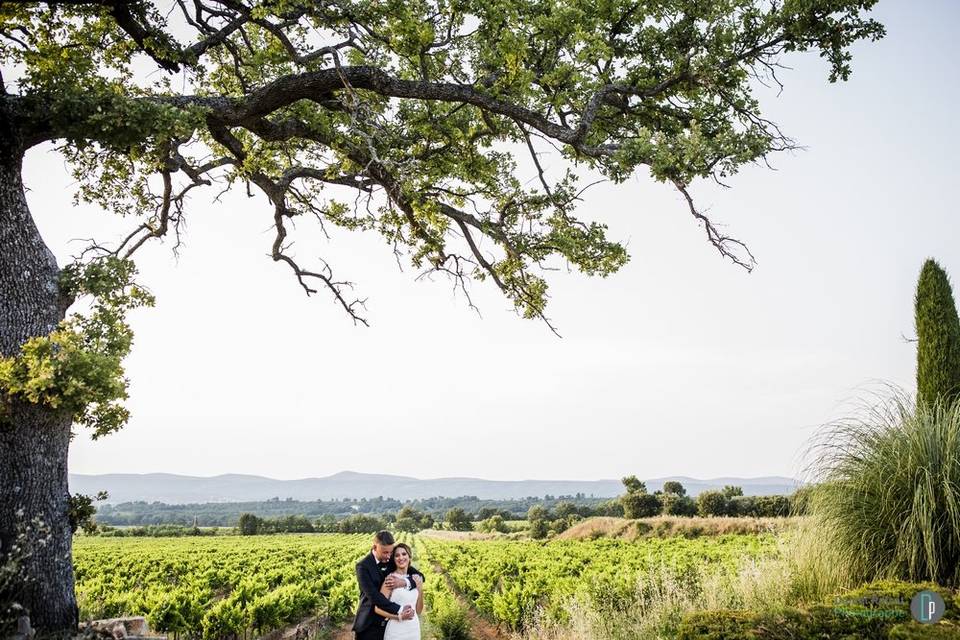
(33, 439)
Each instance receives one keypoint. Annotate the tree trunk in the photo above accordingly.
(33, 439)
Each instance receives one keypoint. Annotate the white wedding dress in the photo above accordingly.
(403, 629)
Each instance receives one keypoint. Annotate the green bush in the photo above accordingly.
(539, 529)
(678, 505)
(493, 524)
(713, 503)
(559, 525)
(875, 611)
(361, 523)
(249, 524)
(732, 491)
(773, 506)
(674, 487)
(715, 625)
(821, 623)
(759, 506)
(449, 620)
(636, 502)
(888, 591)
(917, 631)
(640, 505)
(890, 499)
(458, 520)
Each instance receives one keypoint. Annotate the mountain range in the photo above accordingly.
(177, 489)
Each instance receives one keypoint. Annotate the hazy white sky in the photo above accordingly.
(680, 364)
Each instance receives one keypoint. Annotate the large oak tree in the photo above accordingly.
(396, 117)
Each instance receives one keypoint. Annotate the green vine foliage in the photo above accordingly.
(78, 367)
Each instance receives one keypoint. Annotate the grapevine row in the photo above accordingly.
(511, 581)
(219, 587)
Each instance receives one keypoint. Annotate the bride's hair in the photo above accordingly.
(392, 564)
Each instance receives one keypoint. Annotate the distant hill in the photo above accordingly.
(176, 489)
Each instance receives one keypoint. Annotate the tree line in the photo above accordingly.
(227, 514)
(673, 500)
(543, 517)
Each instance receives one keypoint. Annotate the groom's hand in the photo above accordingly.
(392, 582)
(406, 613)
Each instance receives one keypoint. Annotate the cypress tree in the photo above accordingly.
(938, 337)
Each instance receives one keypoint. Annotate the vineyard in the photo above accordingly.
(511, 581)
(230, 586)
(219, 587)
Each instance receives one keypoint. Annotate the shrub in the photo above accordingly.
(637, 503)
(611, 508)
(539, 529)
(449, 620)
(411, 520)
(759, 506)
(785, 624)
(566, 509)
(742, 506)
(248, 524)
(674, 487)
(559, 525)
(493, 524)
(633, 485)
(890, 500)
(678, 505)
(890, 591)
(361, 523)
(876, 611)
(640, 505)
(938, 337)
(773, 506)
(732, 491)
(712, 503)
(458, 520)
(917, 631)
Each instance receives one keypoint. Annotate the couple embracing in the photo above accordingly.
(391, 593)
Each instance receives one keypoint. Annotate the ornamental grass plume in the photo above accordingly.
(889, 497)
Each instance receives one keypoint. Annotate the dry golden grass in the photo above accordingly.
(666, 526)
(442, 534)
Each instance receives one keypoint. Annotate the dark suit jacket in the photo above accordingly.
(371, 577)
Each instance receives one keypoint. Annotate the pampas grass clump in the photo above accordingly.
(889, 499)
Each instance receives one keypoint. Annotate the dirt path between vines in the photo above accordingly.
(480, 628)
(344, 633)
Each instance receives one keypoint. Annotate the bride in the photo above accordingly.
(398, 629)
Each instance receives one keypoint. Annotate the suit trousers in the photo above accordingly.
(374, 631)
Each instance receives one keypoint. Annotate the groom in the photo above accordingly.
(371, 575)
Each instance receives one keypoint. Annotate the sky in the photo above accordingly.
(680, 364)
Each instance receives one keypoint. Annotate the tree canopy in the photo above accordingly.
(405, 118)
